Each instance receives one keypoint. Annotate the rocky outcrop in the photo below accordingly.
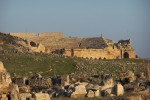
(5, 79)
(36, 47)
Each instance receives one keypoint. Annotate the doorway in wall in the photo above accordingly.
(126, 55)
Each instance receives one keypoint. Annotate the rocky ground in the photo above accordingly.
(86, 82)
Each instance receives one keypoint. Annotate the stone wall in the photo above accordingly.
(52, 34)
(24, 35)
(129, 53)
(33, 35)
(94, 53)
(51, 40)
(99, 53)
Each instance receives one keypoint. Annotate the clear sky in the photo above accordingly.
(115, 19)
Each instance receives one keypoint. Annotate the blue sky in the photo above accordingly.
(115, 19)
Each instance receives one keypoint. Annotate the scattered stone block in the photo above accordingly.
(80, 91)
(25, 96)
(90, 93)
(41, 96)
(118, 90)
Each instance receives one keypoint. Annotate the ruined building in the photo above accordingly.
(96, 47)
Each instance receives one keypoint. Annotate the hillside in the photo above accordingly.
(49, 65)
(12, 44)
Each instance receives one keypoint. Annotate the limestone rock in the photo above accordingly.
(97, 93)
(14, 95)
(36, 47)
(2, 69)
(107, 83)
(131, 75)
(41, 96)
(80, 91)
(40, 48)
(90, 93)
(118, 90)
(107, 92)
(25, 96)
(3, 97)
(24, 89)
(5, 79)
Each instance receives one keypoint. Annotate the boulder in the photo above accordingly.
(118, 90)
(97, 93)
(2, 69)
(14, 95)
(90, 93)
(41, 96)
(107, 92)
(131, 76)
(24, 89)
(25, 96)
(80, 91)
(3, 97)
(5, 79)
(107, 83)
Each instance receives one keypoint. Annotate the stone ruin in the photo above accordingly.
(95, 47)
(45, 88)
(11, 91)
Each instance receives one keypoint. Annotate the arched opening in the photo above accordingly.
(72, 52)
(126, 55)
(33, 44)
(26, 82)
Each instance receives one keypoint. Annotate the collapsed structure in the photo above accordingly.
(96, 47)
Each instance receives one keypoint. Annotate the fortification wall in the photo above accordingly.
(41, 35)
(94, 53)
(52, 34)
(24, 35)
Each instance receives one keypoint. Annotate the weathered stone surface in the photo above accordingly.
(108, 91)
(118, 90)
(107, 83)
(80, 91)
(14, 95)
(98, 47)
(97, 93)
(41, 96)
(5, 79)
(25, 96)
(24, 89)
(3, 97)
(90, 93)
(134, 97)
(2, 69)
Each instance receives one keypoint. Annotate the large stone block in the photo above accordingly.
(118, 90)
(41, 96)
(80, 91)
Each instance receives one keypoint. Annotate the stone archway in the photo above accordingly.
(126, 55)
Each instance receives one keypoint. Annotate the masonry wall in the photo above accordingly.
(29, 36)
(24, 35)
(52, 34)
(94, 53)
(131, 53)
